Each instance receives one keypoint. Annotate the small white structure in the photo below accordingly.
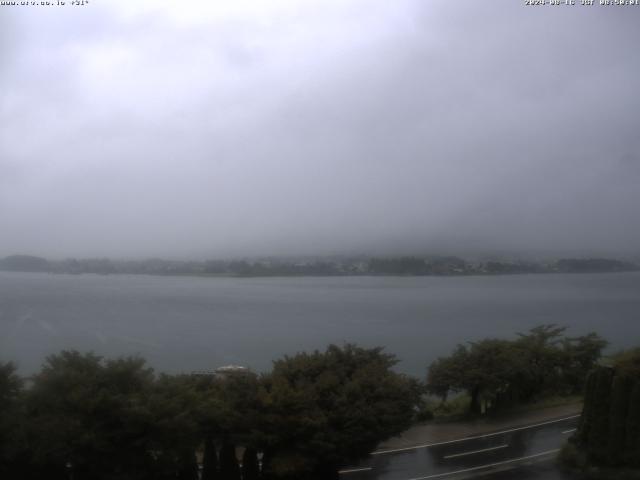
(227, 369)
(223, 372)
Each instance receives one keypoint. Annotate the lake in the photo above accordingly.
(182, 324)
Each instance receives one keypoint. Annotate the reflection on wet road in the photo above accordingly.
(522, 447)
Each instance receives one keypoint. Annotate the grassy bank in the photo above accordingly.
(574, 461)
(457, 409)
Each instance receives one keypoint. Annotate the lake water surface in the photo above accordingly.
(190, 323)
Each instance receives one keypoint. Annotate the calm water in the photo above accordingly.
(184, 324)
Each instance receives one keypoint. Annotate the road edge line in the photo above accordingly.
(489, 465)
(474, 437)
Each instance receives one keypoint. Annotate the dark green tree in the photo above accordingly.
(229, 409)
(499, 373)
(542, 357)
(621, 388)
(445, 374)
(609, 431)
(210, 460)
(628, 364)
(229, 468)
(328, 408)
(90, 415)
(484, 370)
(599, 429)
(632, 442)
(188, 466)
(588, 411)
(13, 448)
(173, 429)
(579, 355)
(250, 469)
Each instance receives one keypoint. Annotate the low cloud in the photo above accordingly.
(151, 128)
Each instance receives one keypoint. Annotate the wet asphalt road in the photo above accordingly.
(515, 453)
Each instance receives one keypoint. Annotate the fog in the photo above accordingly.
(213, 129)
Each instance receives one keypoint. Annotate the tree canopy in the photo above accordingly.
(334, 407)
(497, 372)
(94, 418)
(609, 430)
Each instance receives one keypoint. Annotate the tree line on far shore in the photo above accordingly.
(315, 266)
(85, 417)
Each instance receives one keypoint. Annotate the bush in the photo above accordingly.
(571, 458)
(424, 415)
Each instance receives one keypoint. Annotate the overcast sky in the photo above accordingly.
(252, 127)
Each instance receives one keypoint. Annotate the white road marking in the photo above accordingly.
(475, 437)
(354, 470)
(569, 431)
(490, 465)
(455, 455)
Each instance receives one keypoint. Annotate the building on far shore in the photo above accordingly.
(223, 372)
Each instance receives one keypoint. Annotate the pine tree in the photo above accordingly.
(210, 461)
(250, 470)
(632, 443)
(599, 429)
(229, 468)
(586, 420)
(620, 393)
(188, 469)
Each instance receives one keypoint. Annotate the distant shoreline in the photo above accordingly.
(322, 267)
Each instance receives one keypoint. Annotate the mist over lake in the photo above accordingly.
(182, 324)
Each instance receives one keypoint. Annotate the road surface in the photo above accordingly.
(523, 452)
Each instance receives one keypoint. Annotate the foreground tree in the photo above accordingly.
(173, 433)
(209, 460)
(12, 441)
(250, 468)
(326, 409)
(90, 418)
(228, 414)
(609, 430)
(483, 370)
(229, 467)
(500, 373)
